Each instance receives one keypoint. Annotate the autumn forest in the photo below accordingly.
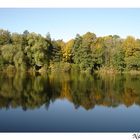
(33, 52)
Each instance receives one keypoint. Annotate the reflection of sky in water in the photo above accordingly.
(62, 116)
(64, 102)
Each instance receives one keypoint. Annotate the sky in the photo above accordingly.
(64, 23)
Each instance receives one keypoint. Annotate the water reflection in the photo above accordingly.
(31, 92)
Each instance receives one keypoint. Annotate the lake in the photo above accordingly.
(69, 103)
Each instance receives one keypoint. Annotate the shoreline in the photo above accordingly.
(61, 70)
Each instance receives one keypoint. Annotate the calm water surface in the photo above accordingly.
(69, 102)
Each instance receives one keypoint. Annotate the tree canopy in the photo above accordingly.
(88, 53)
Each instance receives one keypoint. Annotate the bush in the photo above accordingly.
(60, 67)
(10, 68)
(75, 68)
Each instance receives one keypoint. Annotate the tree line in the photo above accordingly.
(87, 53)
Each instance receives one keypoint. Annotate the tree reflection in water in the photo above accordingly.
(31, 92)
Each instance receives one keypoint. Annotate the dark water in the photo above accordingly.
(69, 102)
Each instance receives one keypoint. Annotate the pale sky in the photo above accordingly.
(64, 23)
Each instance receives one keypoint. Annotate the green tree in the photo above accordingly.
(37, 50)
(118, 56)
(76, 48)
(16, 39)
(56, 50)
(97, 50)
(5, 37)
(8, 52)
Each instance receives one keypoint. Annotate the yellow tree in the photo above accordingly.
(129, 44)
(132, 51)
(67, 51)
